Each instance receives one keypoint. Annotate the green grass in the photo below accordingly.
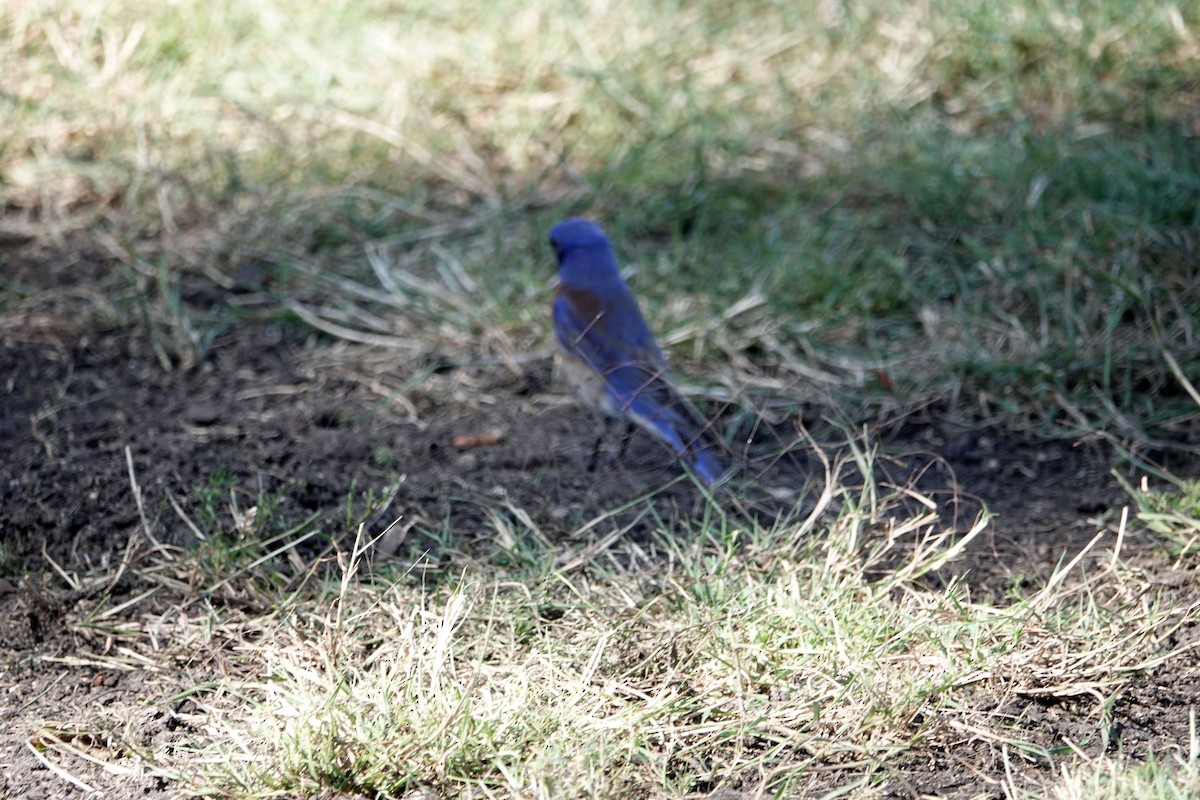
(1172, 511)
(995, 205)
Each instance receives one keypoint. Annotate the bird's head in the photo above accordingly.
(576, 233)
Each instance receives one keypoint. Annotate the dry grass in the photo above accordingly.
(1172, 776)
(866, 207)
(739, 656)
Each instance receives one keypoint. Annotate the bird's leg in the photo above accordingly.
(629, 429)
(605, 422)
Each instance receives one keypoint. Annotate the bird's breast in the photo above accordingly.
(587, 383)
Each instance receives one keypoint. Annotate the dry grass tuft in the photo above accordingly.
(740, 656)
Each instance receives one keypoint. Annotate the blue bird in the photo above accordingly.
(609, 354)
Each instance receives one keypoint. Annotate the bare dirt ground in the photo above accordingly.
(87, 411)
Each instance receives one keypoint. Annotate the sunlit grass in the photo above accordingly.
(1160, 776)
(995, 206)
(723, 655)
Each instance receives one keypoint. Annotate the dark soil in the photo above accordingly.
(90, 419)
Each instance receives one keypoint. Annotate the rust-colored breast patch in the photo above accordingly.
(586, 305)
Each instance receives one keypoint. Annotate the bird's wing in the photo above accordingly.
(611, 336)
(609, 333)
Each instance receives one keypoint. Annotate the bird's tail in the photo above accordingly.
(704, 463)
(680, 427)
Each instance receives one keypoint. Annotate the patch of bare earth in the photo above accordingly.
(90, 421)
